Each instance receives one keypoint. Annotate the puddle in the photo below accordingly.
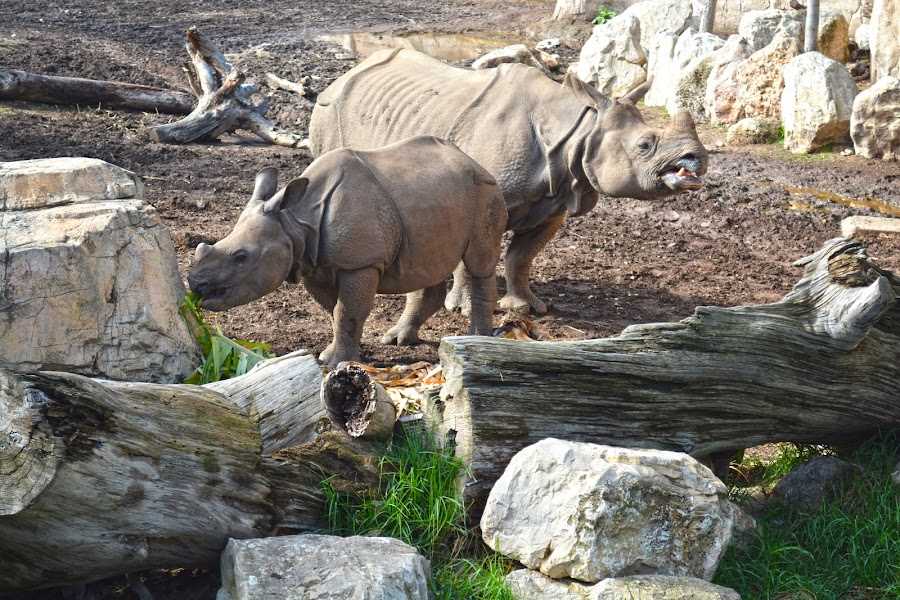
(450, 47)
(871, 203)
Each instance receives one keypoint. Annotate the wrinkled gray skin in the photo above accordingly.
(397, 220)
(553, 148)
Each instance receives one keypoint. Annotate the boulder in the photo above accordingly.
(590, 512)
(760, 78)
(576, 10)
(834, 34)
(613, 60)
(760, 26)
(817, 102)
(92, 283)
(660, 66)
(517, 53)
(861, 37)
(532, 585)
(884, 39)
(753, 130)
(657, 16)
(690, 88)
(720, 99)
(303, 567)
(806, 486)
(874, 125)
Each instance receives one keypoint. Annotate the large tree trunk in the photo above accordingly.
(224, 104)
(19, 85)
(820, 366)
(100, 478)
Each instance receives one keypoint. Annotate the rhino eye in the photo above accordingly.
(239, 257)
(644, 145)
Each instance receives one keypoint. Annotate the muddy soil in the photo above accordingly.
(629, 261)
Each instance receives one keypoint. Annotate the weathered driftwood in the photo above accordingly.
(278, 83)
(360, 404)
(820, 366)
(224, 104)
(30, 87)
(100, 478)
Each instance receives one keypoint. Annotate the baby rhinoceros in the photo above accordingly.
(396, 220)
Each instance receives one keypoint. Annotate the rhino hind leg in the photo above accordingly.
(356, 294)
(523, 248)
(419, 307)
(460, 295)
(483, 300)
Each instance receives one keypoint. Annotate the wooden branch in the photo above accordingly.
(102, 478)
(278, 83)
(224, 102)
(29, 87)
(820, 366)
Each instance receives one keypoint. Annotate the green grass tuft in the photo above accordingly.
(418, 504)
(848, 549)
(223, 357)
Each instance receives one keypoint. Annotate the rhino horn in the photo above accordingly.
(288, 197)
(640, 91)
(588, 94)
(266, 184)
(682, 121)
(202, 250)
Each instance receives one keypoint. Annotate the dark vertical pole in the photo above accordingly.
(812, 26)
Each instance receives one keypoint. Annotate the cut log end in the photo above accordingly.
(362, 406)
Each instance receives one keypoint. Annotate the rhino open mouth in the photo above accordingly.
(682, 174)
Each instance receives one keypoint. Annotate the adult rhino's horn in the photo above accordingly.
(266, 184)
(640, 91)
(682, 121)
(588, 94)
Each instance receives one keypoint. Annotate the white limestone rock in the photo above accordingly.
(526, 584)
(590, 512)
(517, 53)
(322, 567)
(753, 130)
(669, 66)
(875, 121)
(613, 60)
(817, 102)
(660, 66)
(884, 39)
(657, 16)
(690, 88)
(759, 27)
(720, 99)
(92, 283)
(760, 78)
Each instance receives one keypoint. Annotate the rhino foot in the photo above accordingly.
(459, 299)
(523, 304)
(400, 336)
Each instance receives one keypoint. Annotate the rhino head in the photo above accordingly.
(626, 158)
(256, 257)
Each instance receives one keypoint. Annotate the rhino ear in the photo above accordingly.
(640, 91)
(266, 184)
(585, 92)
(288, 197)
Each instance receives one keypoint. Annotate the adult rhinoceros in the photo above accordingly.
(553, 148)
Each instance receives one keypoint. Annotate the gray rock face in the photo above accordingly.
(531, 585)
(690, 88)
(657, 16)
(669, 63)
(817, 102)
(759, 27)
(874, 125)
(321, 567)
(661, 66)
(760, 78)
(590, 512)
(806, 486)
(884, 39)
(91, 280)
(613, 60)
(753, 131)
(721, 96)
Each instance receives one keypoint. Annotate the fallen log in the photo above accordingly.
(101, 478)
(30, 87)
(820, 366)
(224, 102)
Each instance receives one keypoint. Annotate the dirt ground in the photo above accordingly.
(629, 261)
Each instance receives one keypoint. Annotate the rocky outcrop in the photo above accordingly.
(817, 102)
(669, 63)
(613, 60)
(874, 125)
(517, 53)
(834, 34)
(806, 486)
(531, 585)
(590, 512)
(661, 67)
(690, 88)
(721, 95)
(301, 567)
(90, 280)
(760, 78)
(753, 131)
(759, 27)
(884, 39)
(657, 16)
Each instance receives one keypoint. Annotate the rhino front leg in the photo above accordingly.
(420, 306)
(523, 249)
(460, 294)
(356, 293)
